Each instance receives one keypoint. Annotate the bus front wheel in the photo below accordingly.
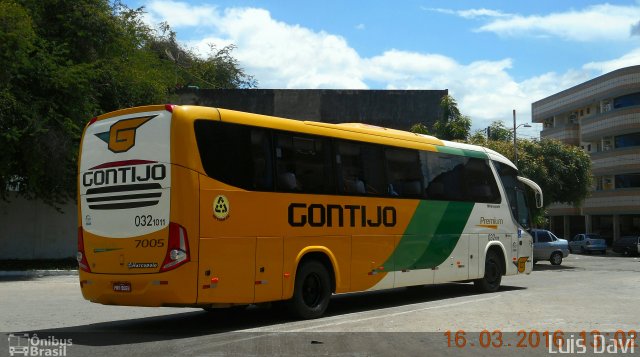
(312, 290)
(490, 282)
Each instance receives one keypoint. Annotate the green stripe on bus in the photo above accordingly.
(431, 235)
(462, 152)
(447, 234)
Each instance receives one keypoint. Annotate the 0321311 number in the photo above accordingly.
(148, 221)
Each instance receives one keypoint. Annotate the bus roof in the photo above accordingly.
(350, 131)
(363, 132)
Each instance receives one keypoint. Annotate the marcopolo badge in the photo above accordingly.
(221, 207)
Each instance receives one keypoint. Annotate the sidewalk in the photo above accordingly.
(36, 273)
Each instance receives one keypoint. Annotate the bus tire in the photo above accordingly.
(490, 282)
(312, 291)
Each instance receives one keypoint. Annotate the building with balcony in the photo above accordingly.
(602, 116)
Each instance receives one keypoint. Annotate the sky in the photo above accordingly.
(492, 56)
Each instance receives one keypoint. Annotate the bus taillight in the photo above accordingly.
(80, 256)
(177, 249)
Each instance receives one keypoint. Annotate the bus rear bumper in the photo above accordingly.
(172, 288)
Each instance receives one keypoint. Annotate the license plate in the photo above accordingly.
(122, 287)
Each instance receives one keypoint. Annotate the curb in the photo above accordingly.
(37, 273)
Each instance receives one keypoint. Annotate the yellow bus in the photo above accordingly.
(207, 207)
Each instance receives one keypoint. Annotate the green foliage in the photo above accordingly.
(420, 128)
(452, 125)
(498, 131)
(65, 61)
(562, 171)
(478, 137)
(454, 129)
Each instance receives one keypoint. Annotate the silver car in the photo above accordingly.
(546, 246)
(587, 243)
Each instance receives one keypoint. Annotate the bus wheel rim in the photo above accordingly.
(493, 274)
(312, 290)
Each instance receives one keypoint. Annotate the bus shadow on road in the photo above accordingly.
(224, 323)
(549, 267)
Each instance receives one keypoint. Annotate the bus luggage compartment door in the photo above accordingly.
(227, 270)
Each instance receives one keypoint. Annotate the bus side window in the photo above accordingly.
(349, 168)
(262, 159)
(443, 175)
(303, 163)
(223, 145)
(458, 178)
(403, 172)
(359, 167)
(480, 183)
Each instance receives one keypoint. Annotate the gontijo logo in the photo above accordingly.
(122, 135)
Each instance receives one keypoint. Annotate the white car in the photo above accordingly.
(587, 243)
(546, 246)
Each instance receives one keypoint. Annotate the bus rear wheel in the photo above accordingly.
(490, 282)
(312, 291)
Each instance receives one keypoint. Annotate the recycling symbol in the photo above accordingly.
(221, 207)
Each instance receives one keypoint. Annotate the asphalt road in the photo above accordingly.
(585, 293)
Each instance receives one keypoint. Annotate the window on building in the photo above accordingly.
(627, 140)
(628, 180)
(628, 100)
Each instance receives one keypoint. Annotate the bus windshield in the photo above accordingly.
(515, 187)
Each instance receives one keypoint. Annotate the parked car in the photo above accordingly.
(587, 243)
(628, 245)
(546, 246)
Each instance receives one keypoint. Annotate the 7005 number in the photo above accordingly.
(149, 243)
(148, 221)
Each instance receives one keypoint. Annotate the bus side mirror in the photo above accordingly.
(536, 189)
(539, 200)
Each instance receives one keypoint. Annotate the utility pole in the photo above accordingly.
(515, 145)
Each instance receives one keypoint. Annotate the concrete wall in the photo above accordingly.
(398, 109)
(34, 230)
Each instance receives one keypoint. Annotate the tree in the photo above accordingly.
(452, 125)
(498, 131)
(420, 128)
(562, 171)
(219, 69)
(65, 61)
